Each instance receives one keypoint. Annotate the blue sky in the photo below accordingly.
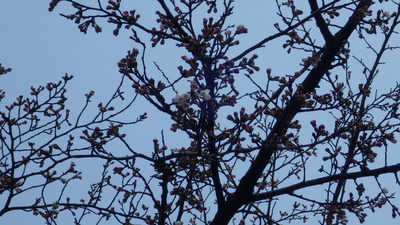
(41, 46)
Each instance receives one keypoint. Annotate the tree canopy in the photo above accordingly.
(248, 142)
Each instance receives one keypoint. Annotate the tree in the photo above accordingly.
(249, 151)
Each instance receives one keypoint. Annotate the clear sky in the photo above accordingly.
(42, 46)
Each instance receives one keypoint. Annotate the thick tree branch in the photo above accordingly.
(281, 33)
(240, 165)
(323, 27)
(323, 180)
(246, 186)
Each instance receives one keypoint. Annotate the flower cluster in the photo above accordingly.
(181, 100)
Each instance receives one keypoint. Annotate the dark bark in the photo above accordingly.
(246, 186)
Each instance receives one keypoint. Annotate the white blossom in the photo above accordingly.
(385, 190)
(163, 26)
(178, 223)
(205, 94)
(181, 100)
(386, 14)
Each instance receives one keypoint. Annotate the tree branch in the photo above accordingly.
(323, 27)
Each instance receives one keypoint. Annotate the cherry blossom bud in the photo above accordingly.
(269, 71)
(241, 29)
